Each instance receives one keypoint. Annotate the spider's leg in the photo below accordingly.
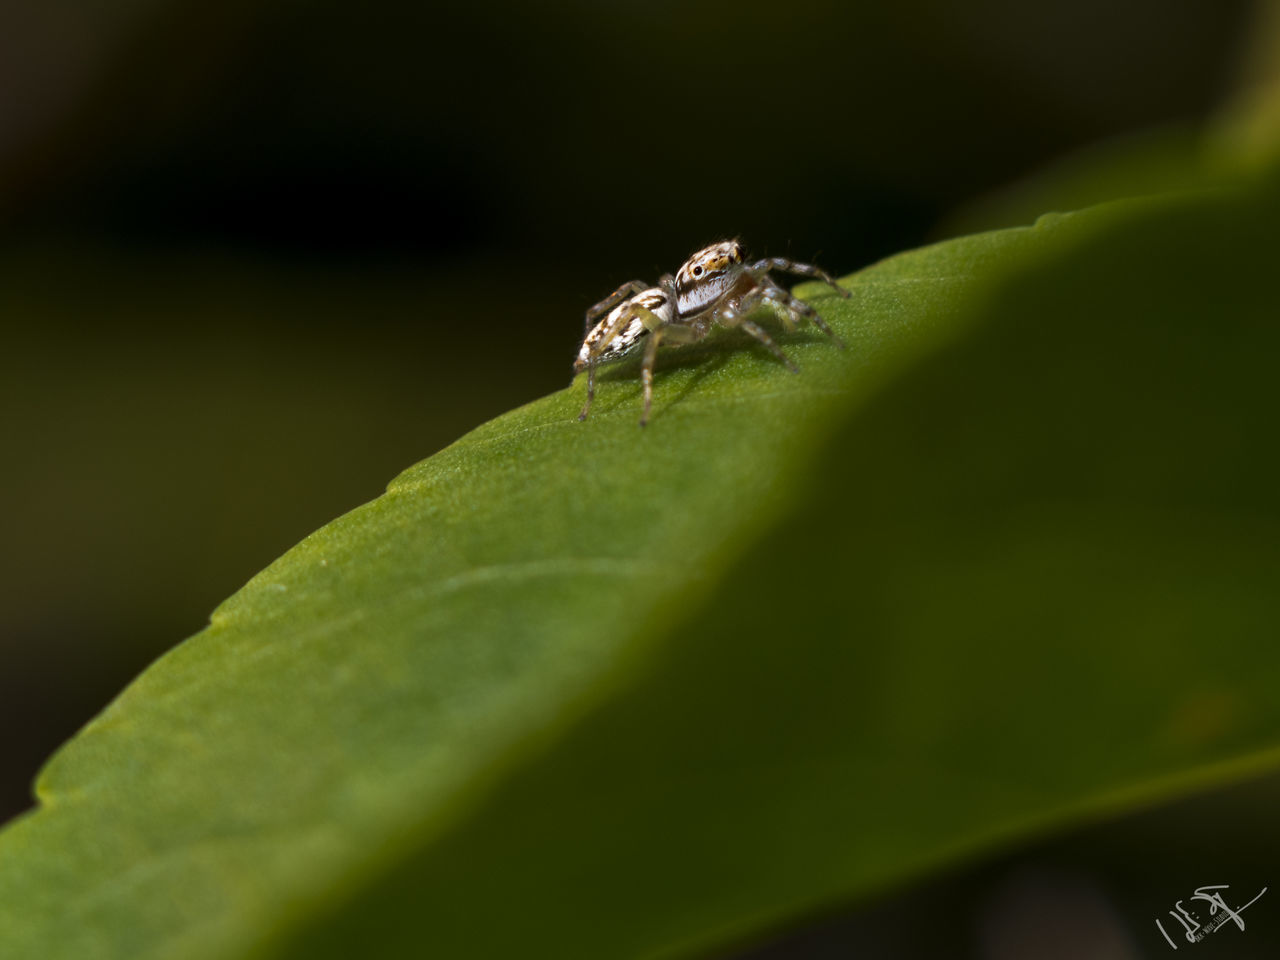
(762, 267)
(737, 317)
(591, 389)
(646, 372)
(768, 292)
(758, 332)
(656, 326)
(791, 305)
(682, 333)
(652, 324)
(599, 347)
(628, 289)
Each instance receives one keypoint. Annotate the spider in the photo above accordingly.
(713, 286)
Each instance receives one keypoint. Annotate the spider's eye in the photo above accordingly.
(697, 271)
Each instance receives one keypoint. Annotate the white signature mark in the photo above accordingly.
(1195, 931)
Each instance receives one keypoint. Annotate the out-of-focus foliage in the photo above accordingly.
(1243, 135)
(803, 637)
(1248, 126)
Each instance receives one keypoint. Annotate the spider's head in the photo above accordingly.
(707, 276)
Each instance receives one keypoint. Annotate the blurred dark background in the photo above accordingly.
(255, 258)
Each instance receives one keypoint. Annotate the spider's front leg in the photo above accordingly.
(792, 305)
(760, 270)
(736, 316)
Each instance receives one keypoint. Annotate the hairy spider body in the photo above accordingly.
(625, 326)
(714, 286)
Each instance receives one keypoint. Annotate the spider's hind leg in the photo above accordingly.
(591, 389)
(616, 341)
(600, 347)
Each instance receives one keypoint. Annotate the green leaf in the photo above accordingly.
(587, 690)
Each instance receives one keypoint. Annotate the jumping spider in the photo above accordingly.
(714, 286)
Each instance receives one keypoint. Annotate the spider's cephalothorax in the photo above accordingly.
(714, 286)
(707, 277)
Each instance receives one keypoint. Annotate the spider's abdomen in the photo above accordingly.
(617, 334)
(622, 343)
